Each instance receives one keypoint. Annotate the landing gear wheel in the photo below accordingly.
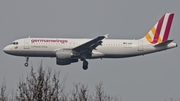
(26, 64)
(85, 65)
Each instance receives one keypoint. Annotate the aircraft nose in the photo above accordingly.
(6, 49)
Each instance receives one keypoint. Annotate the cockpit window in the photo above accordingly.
(15, 43)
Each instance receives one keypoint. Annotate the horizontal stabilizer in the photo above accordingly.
(163, 43)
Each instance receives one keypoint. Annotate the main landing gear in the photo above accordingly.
(85, 65)
(26, 64)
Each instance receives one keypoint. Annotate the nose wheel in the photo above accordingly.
(85, 65)
(26, 64)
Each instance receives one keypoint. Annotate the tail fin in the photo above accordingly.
(160, 31)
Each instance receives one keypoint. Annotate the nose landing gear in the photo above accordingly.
(26, 64)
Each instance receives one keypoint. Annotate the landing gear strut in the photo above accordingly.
(26, 64)
(85, 63)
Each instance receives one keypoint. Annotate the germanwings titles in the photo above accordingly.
(69, 50)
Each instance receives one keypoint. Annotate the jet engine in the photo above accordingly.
(63, 57)
(63, 54)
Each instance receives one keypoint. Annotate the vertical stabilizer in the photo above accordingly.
(160, 31)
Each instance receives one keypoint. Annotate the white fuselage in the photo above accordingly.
(69, 51)
(110, 48)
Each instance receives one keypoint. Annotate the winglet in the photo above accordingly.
(106, 36)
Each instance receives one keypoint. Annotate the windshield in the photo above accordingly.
(15, 43)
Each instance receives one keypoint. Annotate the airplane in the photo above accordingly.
(71, 50)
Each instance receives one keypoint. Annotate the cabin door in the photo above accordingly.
(26, 43)
(140, 46)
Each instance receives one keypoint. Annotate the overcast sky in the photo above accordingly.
(153, 77)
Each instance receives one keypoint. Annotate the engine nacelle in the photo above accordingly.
(65, 61)
(63, 54)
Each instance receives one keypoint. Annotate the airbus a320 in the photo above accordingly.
(71, 50)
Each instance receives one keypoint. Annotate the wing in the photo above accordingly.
(90, 45)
